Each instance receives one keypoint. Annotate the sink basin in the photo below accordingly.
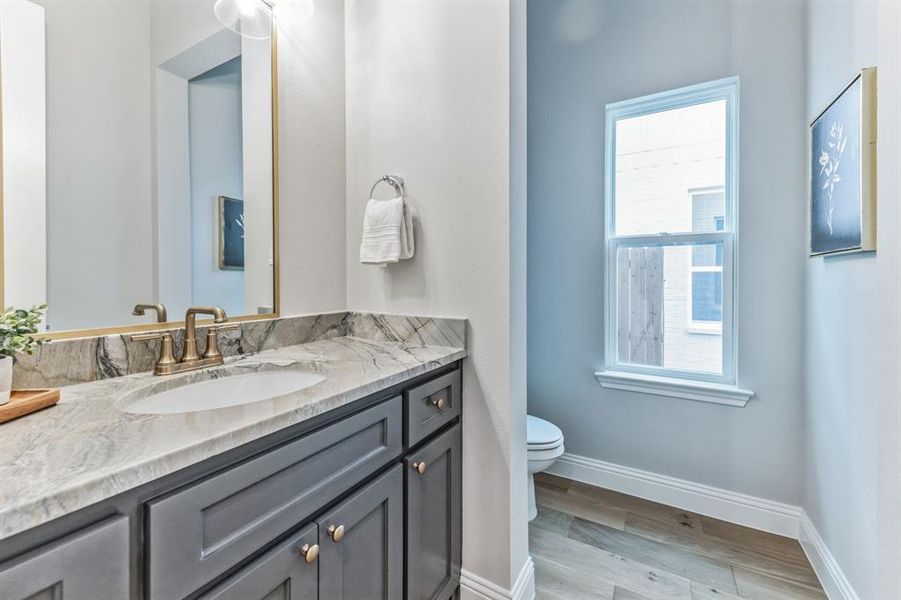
(219, 392)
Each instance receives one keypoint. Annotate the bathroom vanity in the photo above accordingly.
(358, 498)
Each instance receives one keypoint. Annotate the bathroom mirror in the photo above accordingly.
(138, 141)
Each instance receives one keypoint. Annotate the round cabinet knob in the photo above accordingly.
(310, 553)
(420, 466)
(438, 402)
(336, 533)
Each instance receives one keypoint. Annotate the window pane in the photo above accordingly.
(707, 210)
(662, 159)
(707, 296)
(669, 312)
(707, 255)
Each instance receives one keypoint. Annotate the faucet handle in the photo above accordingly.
(212, 339)
(167, 354)
(146, 337)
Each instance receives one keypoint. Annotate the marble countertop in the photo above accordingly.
(85, 450)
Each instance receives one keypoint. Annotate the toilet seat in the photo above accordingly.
(536, 457)
(542, 435)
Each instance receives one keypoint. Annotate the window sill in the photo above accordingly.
(697, 329)
(701, 391)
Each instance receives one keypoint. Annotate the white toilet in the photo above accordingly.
(545, 446)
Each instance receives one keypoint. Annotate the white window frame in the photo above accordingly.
(712, 387)
(703, 327)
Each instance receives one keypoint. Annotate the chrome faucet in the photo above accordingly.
(190, 358)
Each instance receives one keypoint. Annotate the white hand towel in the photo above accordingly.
(387, 232)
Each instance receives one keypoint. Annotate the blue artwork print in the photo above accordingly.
(231, 234)
(835, 173)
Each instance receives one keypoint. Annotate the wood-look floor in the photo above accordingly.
(591, 543)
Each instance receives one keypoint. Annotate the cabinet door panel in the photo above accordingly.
(281, 574)
(201, 531)
(367, 562)
(434, 502)
(87, 565)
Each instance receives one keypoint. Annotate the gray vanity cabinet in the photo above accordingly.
(360, 504)
(434, 501)
(289, 572)
(362, 544)
(87, 565)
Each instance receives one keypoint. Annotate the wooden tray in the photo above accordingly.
(24, 402)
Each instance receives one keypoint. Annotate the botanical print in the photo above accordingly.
(835, 186)
(231, 234)
(829, 163)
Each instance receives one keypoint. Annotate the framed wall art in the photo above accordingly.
(843, 171)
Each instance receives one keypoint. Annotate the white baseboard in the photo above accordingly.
(750, 511)
(734, 507)
(476, 587)
(824, 564)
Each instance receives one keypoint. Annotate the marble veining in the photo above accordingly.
(69, 362)
(427, 331)
(85, 450)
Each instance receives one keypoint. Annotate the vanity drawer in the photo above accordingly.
(196, 534)
(430, 406)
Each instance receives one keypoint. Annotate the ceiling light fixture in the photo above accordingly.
(248, 18)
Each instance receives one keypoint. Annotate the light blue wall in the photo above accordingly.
(583, 55)
(842, 330)
(216, 169)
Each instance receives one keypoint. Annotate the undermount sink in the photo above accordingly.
(222, 391)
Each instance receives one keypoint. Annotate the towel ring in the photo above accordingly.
(395, 181)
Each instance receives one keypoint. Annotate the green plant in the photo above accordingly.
(17, 327)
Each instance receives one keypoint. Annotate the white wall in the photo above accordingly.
(582, 56)
(519, 533)
(312, 199)
(24, 169)
(888, 512)
(843, 325)
(429, 98)
(98, 161)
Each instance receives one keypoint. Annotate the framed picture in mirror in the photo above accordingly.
(231, 233)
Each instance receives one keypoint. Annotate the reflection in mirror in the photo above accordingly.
(137, 161)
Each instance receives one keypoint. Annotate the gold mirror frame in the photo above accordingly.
(99, 331)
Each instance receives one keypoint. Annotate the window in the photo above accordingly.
(671, 237)
(706, 272)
